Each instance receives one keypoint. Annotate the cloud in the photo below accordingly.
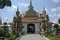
(58, 15)
(20, 5)
(56, 1)
(55, 21)
(55, 9)
(6, 18)
(47, 10)
(23, 4)
(54, 15)
(13, 6)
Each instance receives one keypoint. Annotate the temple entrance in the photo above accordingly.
(31, 28)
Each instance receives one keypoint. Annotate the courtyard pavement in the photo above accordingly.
(32, 37)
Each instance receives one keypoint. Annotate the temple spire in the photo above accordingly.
(31, 7)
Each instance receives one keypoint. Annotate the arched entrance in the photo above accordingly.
(31, 28)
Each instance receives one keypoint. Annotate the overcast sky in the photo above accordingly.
(52, 7)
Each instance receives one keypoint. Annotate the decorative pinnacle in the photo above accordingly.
(30, 4)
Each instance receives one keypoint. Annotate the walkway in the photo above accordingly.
(32, 37)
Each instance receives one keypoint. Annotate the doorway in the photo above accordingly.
(31, 28)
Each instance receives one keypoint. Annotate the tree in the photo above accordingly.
(4, 3)
(59, 20)
(5, 23)
(56, 26)
(6, 29)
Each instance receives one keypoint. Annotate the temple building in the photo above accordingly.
(31, 20)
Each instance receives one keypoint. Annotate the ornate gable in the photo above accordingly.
(31, 14)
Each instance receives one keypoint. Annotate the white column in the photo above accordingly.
(36, 28)
(25, 28)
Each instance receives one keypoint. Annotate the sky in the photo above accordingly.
(52, 8)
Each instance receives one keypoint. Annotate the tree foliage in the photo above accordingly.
(59, 21)
(56, 25)
(4, 3)
(5, 23)
(2, 32)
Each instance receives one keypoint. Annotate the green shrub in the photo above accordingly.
(12, 38)
(2, 32)
(59, 28)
